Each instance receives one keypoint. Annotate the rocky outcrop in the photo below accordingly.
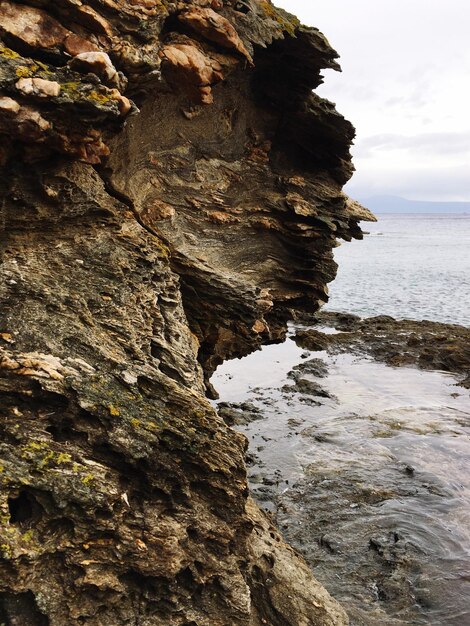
(427, 345)
(171, 191)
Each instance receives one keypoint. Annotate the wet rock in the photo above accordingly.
(307, 388)
(315, 367)
(293, 422)
(329, 543)
(341, 321)
(312, 340)
(428, 345)
(239, 414)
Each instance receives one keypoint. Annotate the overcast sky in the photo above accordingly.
(405, 86)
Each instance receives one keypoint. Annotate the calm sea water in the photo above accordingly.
(371, 484)
(371, 480)
(409, 266)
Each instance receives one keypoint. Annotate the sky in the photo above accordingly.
(405, 86)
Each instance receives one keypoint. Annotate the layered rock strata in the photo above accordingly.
(171, 191)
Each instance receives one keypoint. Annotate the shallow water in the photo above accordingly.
(372, 484)
(409, 266)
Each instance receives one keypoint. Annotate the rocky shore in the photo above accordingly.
(171, 190)
(359, 449)
(428, 345)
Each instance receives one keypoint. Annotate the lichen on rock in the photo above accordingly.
(171, 192)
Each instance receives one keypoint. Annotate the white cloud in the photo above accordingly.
(405, 86)
(430, 182)
(431, 145)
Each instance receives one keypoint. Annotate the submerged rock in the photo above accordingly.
(315, 367)
(139, 250)
(307, 388)
(238, 414)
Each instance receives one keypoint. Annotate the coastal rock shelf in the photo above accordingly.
(427, 345)
(171, 192)
(364, 459)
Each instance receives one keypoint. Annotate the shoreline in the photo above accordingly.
(428, 345)
(358, 449)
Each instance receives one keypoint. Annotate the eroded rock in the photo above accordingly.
(31, 27)
(214, 27)
(138, 252)
(38, 87)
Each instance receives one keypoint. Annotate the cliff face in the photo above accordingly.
(171, 190)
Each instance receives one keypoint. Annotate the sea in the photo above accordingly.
(407, 266)
(370, 479)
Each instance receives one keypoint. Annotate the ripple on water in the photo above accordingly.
(371, 484)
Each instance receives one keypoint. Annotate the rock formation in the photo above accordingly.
(424, 344)
(170, 192)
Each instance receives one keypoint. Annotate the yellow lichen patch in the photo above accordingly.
(100, 98)
(62, 458)
(75, 89)
(162, 247)
(43, 66)
(28, 536)
(43, 456)
(34, 447)
(113, 410)
(22, 71)
(8, 53)
(147, 425)
(70, 88)
(287, 22)
(47, 459)
(6, 551)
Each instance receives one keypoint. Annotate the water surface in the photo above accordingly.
(410, 266)
(371, 484)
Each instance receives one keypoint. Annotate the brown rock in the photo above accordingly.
(97, 63)
(124, 104)
(8, 105)
(428, 345)
(95, 21)
(74, 44)
(297, 203)
(134, 259)
(31, 126)
(38, 87)
(192, 70)
(214, 27)
(156, 211)
(259, 327)
(31, 26)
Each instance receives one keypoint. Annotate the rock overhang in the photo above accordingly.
(172, 190)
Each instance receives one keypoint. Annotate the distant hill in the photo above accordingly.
(395, 204)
